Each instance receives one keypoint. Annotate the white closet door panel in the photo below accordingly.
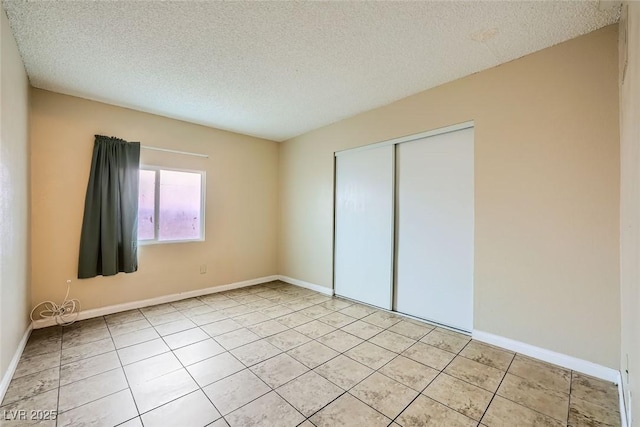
(365, 225)
(434, 236)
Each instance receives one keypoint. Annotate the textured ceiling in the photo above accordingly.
(278, 69)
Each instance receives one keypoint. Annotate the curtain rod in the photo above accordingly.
(186, 153)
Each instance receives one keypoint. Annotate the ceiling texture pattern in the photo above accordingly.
(279, 69)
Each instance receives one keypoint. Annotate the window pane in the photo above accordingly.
(146, 205)
(180, 199)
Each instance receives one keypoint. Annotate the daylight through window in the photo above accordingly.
(170, 205)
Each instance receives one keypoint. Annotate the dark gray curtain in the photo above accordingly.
(109, 240)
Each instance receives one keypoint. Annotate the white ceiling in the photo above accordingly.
(278, 69)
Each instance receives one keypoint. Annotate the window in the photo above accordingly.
(170, 205)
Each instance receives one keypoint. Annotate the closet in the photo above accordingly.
(404, 214)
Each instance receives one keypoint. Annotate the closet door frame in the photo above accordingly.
(395, 141)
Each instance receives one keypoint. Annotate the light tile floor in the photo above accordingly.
(279, 355)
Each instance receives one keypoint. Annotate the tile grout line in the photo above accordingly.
(267, 385)
(289, 328)
(519, 403)
(232, 355)
(292, 379)
(570, 388)
(95, 400)
(246, 326)
(420, 393)
(135, 404)
(283, 301)
(308, 369)
(363, 379)
(192, 378)
(59, 375)
(171, 350)
(496, 392)
(327, 379)
(90, 376)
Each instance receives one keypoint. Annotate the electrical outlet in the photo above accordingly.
(203, 268)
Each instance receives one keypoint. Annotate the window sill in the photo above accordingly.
(165, 242)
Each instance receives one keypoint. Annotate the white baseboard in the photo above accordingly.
(110, 309)
(11, 369)
(307, 285)
(566, 361)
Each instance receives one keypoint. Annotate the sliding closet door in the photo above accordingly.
(364, 225)
(435, 213)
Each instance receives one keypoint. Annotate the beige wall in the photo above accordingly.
(546, 201)
(241, 207)
(14, 198)
(630, 204)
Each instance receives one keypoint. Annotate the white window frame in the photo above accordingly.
(156, 202)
